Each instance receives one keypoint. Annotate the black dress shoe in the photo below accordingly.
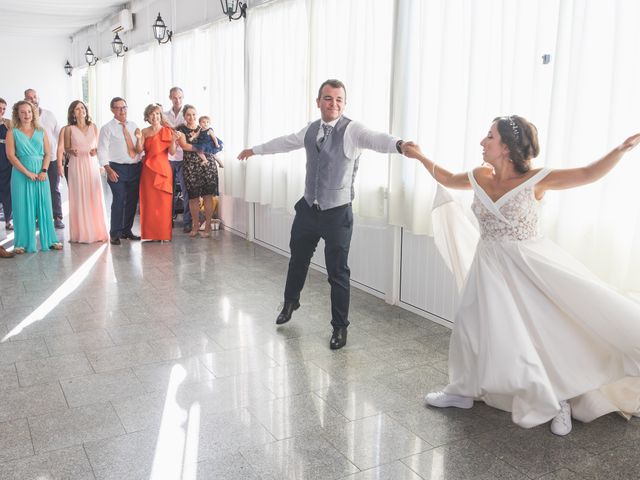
(338, 338)
(287, 310)
(129, 236)
(115, 241)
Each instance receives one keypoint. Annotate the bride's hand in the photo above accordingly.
(411, 150)
(630, 142)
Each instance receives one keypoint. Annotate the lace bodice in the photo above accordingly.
(513, 217)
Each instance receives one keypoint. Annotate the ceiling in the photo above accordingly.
(57, 17)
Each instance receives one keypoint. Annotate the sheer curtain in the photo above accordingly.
(595, 107)
(108, 84)
(226, 60)
(459, 64)
(356, 48)
(279, 99)
(190, 67)
(147, 79)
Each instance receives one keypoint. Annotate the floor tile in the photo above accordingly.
(128, 457)
(47, 370)
(79, 342)
(68, 464)
(234, 362)
(15, 440)
(22, 350)
(138, 332)
(35, 400)
(357, 400)
(391, 471)
(308, 457)
(8, 377)
(374, 441)
(535, 451)
(122, 356)
(74, 426)
(228, 432)
(463, 460)
(156, 376)
(621, 463)
(228, 467)
(440, 426)
(291, 416)
(101, 387)
(604, 433)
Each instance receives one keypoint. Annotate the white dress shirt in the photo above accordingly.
(50, 125)
(175, 120)
(357, 137)
(112, 146)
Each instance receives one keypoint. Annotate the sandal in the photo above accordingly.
(56, 246)
(18, 250)
(193, 233)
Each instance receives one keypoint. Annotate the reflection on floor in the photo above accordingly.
(162, 361)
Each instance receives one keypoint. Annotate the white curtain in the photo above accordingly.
(109, 81)
(279, 100)
(463, 62)
(356, 48)
(594, 107)
(191, 72)
(459, 64)
(142, 87)
(226, 67)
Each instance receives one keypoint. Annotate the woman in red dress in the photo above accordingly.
(156, 186)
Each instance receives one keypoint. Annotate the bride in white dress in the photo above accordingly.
(536, 333)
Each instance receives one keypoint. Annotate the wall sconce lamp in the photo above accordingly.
(160, 31)
(118, 47)
(234, 9)
(90, 57)
(68, 68)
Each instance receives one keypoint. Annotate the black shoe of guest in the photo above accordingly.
(114, 241)
(129, 236)
(338, 338)
(287, 310)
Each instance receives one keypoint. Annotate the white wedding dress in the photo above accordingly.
(534, 326)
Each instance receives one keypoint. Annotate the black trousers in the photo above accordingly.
(54, 186)
(125, 193)
(5, 192)
(335, 227)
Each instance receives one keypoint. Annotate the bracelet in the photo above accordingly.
(44, 170)
(399, 146)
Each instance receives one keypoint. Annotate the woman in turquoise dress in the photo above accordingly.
(29, 153)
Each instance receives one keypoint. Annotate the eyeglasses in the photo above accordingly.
(120, 108)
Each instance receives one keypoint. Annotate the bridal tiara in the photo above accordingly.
(514, 127)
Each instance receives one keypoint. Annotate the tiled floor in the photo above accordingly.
(162, 361)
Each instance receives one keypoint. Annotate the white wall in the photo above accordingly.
(36, 62)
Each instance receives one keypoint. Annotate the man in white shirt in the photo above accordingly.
(333, 145)
(175, 117)
(116, 153)
(50, 125)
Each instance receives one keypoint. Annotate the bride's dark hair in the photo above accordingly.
(521, 138)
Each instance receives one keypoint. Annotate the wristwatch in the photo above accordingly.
(399, 145)
(44, 170)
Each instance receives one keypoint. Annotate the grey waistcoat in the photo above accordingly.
(330, 174)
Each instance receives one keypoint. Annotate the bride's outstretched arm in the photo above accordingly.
(458, 181)
(575, 177)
